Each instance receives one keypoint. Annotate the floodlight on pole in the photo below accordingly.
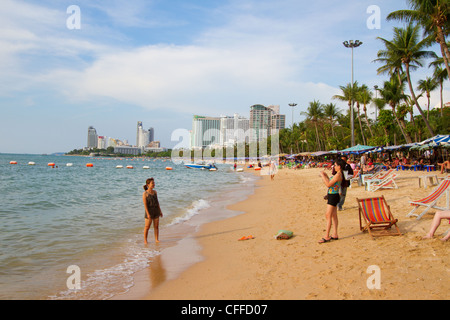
(352, 44)
(293, 106)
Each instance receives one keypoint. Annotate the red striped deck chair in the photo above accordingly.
(432, 199)
(377, 217)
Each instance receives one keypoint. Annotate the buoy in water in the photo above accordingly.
(31, 163)
(119, 167)
(168, 168)
(13, 162)
(129, 167)
(69, 164)
(89, 165)
(51, 164)
(145, 167)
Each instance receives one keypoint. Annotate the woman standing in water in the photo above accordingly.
(152, 209)
(333, 184)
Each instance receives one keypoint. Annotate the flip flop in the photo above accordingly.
(246, 238)
(323, 240)
(334, 238)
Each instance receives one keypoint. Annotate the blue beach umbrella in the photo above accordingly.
(437, 140)
(358, 149)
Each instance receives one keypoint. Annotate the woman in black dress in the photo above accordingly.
(152, 209)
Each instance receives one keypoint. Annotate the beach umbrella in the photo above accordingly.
(437, 140)
(358, 149)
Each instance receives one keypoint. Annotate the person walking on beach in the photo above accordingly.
(152, 210)
(347, 171)
(333, 184)
(272, 170)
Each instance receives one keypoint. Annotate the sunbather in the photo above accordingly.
(445, 166)
(438, 216)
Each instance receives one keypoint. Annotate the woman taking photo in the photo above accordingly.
(152, 209)
(333, 184)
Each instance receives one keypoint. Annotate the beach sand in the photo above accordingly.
(299, 268)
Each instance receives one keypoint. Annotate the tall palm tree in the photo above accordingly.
(358, 107)
(433, 16)
(348, 94)
(331, 112)
(426, 86)
(365, 97)
(407, 48)
(393, 95)
(313, 114)
(440, 74)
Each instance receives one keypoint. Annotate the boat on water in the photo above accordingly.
(200, 166)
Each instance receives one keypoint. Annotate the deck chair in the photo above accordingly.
(380, 175)
(431, 200)
(376, 214)
(386, 183)
(356, 177)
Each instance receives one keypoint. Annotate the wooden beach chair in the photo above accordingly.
(386, 183)
(432, 199)
(376, 214)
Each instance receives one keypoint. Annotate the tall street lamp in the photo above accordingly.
(376, 97)
(293, 106)
(352, 44)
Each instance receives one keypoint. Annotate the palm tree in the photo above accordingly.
(331, 112)
(434, 16)
(440, 74)
(365, 97)
(407, 48)
(348, 94)
(426, 86)
(358, 106)
(313, 114)
(393, 95)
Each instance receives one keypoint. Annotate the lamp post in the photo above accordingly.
(293, 106)
(376, 97)
(352, 44)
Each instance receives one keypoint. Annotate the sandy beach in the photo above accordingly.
(264, 268)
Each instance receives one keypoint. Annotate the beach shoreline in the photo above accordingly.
(179, 247)
(301, 269)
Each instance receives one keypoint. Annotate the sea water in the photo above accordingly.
(52, 218)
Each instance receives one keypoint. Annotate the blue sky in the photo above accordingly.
(160, 62)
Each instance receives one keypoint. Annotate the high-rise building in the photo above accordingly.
(92, 138)
(144, 137)
(205, 131)
(265, 121)
(151, 135)
(101, 143)
(139, 128)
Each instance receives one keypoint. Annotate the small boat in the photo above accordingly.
(200, 166)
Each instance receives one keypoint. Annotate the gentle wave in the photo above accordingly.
(197, 206)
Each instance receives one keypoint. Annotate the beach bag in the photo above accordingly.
(284, 234)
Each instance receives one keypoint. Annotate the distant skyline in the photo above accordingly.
(161, 62)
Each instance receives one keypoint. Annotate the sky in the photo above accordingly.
(112, 63)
